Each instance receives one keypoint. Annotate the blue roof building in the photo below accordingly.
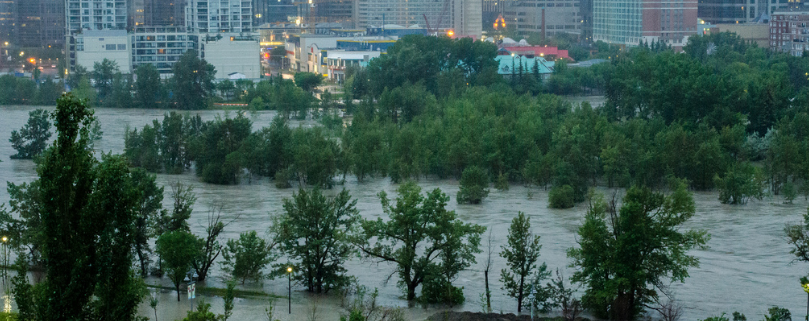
(509, 65)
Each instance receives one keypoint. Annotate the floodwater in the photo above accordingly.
(747, 267)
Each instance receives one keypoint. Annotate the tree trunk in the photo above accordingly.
(142, 260)
(411, 291)
(488, 293)
(519, 296)
(177, 286)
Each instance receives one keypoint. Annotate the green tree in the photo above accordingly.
(177, 251)
(150, 199)
(740, 183)
(314, 232)
(418, 230)
(32, 138)
(183, 198)
(561, 197)
(246, 257)
(193, 81)
(308, 81)
(149, 91)
(521, 256)
(202, 313)
(778, 314)
(226, 88)
(49, 91)
(624, 255)
(209, 246)
(474, 185)
(103, 75)
(88, 211)
(228, 299)
(218, 159)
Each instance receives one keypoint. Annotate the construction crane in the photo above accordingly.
(440, 18)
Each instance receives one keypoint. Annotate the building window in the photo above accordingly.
(110, 46)
(121, 46)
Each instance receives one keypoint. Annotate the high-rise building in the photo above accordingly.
(630, 22)
(332, 11)
(40, 23)
(467, 17)
(273, 11)
(96, 15)
(8, 20)
(546, 17)
(161, 12)
(226, 16)
(492, 9)
(439, 16)
(738, 11)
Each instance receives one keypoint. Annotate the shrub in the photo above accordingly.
(561, 197)
(474, 183)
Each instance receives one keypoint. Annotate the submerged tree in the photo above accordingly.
(246, 257)
(474, 185)
(32, 138)
(419, 229)
(521, 256)
(625, 255)
(177, 250)
(314, 231)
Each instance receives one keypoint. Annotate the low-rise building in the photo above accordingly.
(337, 61)
(94, 46)
(233, 54)
(509, 66)
(789, 31)
(755, 32)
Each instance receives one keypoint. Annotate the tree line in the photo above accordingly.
(85, 221)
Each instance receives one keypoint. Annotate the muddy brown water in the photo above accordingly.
(747, 267)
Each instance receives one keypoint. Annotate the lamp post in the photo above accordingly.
(289, 295)
(805, 285)
(5, 258)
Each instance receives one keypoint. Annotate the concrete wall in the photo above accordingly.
(234, 56)
(95, 50)
(759, 33)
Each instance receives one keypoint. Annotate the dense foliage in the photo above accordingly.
(421, 237)
(314, 232)
(80, 217)
(33, 137)
(626, 254)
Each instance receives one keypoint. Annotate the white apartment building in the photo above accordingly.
(94, 46)
(232, 54)
(96, 14)
(219, 16)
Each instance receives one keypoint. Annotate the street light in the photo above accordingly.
(5, 257)
(805, 285)
(289, 295)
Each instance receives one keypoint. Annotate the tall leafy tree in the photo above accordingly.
(521, 256)
(625, 255)
(149, 90)
(87, 212)
(418, 230)
(177, 250)
(150, 199)
(104, 75)
(32, 138)
(193, 81)
(314, 232)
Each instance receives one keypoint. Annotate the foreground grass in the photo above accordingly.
(212, 291)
